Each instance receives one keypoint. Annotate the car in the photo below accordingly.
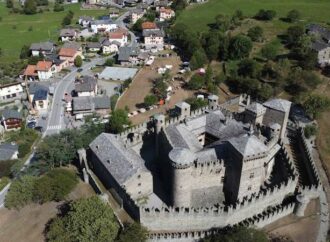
(39, 129)
(31, 125)
(80, 70)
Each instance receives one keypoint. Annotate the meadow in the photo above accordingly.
(200, 15)
(17, 29)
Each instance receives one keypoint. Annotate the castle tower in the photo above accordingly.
(213, 102)
(302, 202)
(183, 110)
(182, 161)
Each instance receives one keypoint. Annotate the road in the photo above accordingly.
(120, 22)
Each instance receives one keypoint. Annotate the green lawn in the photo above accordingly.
(14, 28)
(198, 16)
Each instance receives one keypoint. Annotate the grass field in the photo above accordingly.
(14, 28)
(198, 16)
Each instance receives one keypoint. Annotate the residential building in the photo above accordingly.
(57, 62)
(30, 73)
(93, 47)
(109, 47)
(69, 54)
(149, 25)
(323, 52)
(82, 106)
(38, 96)
(11, 119)
(136, 14)
(73, 45)
(8, 151)
(101, 26)
(118, 36)
(11, 91)
(114, 13)
(45, 69)
(68, 35)
(85, 21)
(166, 14)
(44, 48)
(128, 55)
(86, 86)
(153, 39)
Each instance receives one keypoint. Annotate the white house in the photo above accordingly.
(120, 37)
(323, 53)
(136, 14)
(45, 69)
(86, 86)
(44, 48)
(68, 35)
(165, 14)
(109, 47)
(11, 91)
(85, 21)
(107, 25)
(153, 39)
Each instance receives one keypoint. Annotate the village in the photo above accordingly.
(143, 110)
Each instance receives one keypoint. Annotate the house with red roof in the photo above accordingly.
(45, 69)
(69, 54)
(120, 37)
(149, 25)
(30, 73)
(166, 14)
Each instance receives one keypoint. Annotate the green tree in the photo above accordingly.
(88, 219)
(270, 51)
(109, 62)
(265, 14)
(293, 16)
(196, 82)
(118, 120)
(30, 7)
(150, 100)
(255, 33)
(199, 59)
(196, 103)
(240, 47)
(133, 232)
(293, 34)
(9, 3)
(138, 25)
(310, 130)
(78, 61)
(150, 15)
(58, 7)
(316, 104)
(20, 192)
(248, 68)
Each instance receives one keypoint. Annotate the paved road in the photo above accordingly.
(120, 22)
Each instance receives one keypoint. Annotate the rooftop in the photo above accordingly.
(278, 104)
(7, 150)
(149, 25)
(43, 65)
(67, 32)
(11, 113)
(68, 52)
(45, 46)
(126, 52)
(118, 73)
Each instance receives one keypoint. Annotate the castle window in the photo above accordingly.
(251, 175)
(139, 192)
(139, 176)
(222, 179)
(139, 184)
(108, 161)
(249, 188)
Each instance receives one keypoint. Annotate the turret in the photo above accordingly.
(213, 102)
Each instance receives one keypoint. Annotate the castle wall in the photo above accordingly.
(275, 116)
(190, 219)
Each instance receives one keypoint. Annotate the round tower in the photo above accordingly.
(159, 123)
(302, 202)
(213, 102)
(182, 161)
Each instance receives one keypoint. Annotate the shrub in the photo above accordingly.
(293, 16)
(78, 61)
(310, 130)
(196, 103)
(109, 62)
(3, 182)
(150, 100)
(196, 82)
(255, 33)
(265, 14)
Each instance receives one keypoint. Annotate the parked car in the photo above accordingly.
(39, 129)
(31, 125)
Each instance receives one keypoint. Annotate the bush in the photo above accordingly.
(133, 232)
(78, 61)
(293, 16)
(196, 82)
(310, 130)
(265, 14)
(240, 47)
(196, 103)
(58, 7)
(113, 101)
(3, 182)
(109, 62)
(255, 33)
(270, 50)
(5, 167)
(150, 100)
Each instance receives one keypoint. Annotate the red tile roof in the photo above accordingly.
(115, 35)
(44, 65)
(149, 25)
(68, 52)
(30, 70)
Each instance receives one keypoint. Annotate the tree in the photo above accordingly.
(310, 130)
(196, 82)
(315, 105)
(212, 46)
(138, 25)
(179, 5)
(294, 33)
(109, 62)
(118, 120)
(9, 3)
(30, 7)
(239, 234)
(20, 192)
(255, 33)
(269, 51)
(150, 100)
(68, 18)
(293, 16)
(88, 219)
(222, 23)
(196, 103)
(265, 14)
(248, 68)
(78, 61)
(199, 59)
(58, 7)
(150, 16)
(240, 47)
(308, 60)
(133, 232)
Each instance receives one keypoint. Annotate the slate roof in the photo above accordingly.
(90, 103)
(182, 105)
(11, 113)
(72, 45)
(125, 52)
(256, 108)
(249, 145)
(278, 104)
(86, 84)
(34, 87)
(67, 32)
(7, 150)
(318, 29)
(102, 102)
(121, 162)
(152, 32)
(182, 156)
(40, 94)
(86, 18)
(45, 46)
(102, 21)
(318, 45)
(93, 45)
(67, 52)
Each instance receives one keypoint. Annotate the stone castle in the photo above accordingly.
(205, 169)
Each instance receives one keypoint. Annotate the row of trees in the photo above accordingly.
(53, 186)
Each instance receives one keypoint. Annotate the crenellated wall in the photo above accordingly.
(205, 218)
